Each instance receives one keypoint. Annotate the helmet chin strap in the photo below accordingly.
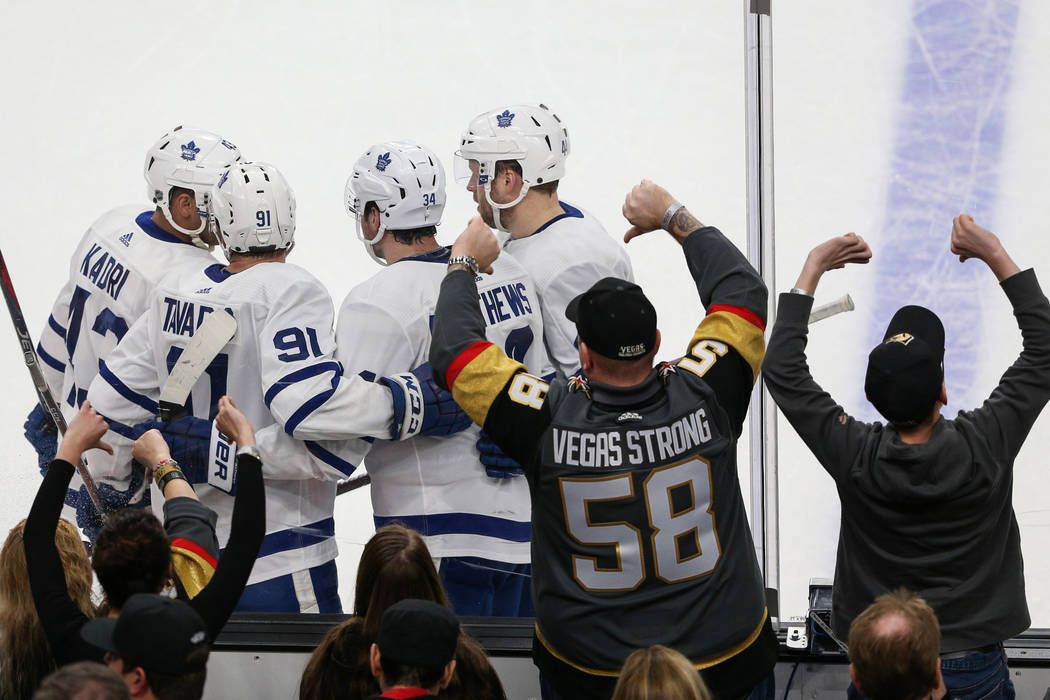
(195, 235)
(370, 243)
(497, 207)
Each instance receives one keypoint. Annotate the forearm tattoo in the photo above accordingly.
(683, 223)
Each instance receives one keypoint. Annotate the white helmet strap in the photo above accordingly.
(496, 208)
(370, 243)
(195, 235)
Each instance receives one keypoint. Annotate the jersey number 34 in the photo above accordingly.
(683, 542)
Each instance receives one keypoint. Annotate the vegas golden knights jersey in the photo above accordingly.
(639, 531)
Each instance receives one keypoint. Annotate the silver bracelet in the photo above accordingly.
(800, 291)
(468, 260)
(669, 215)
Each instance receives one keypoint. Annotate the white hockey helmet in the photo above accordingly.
(405, 180)
(192, 159)
(252, 209)
(532, 135)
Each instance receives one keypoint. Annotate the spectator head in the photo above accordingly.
(416, 647)
(338, 667)
(905, 377)
(659, 672)
(132, 555)
(894, 648)
(84, 680)
(395, 565)
(159, 645)
(616, 323)
(24, 649)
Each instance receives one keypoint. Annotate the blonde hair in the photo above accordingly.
(659, 673)
(26, 654)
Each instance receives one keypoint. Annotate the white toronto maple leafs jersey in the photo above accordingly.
(436, 485)
(565, 257)
(111, 275)
(281, 371)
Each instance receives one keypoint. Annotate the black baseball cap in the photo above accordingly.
(418, 634)
(615, 319)
(153, 632)
(906, 371)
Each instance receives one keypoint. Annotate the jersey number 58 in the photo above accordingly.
(683, 542)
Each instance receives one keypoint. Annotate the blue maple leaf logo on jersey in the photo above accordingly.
(190, 151)
(384, 160)
(504, 120)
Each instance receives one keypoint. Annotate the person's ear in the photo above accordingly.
(374, 661)
(853, 677)
(446, 677)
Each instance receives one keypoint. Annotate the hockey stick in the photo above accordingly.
(43, 393)
(843, 303)
(208, 340)
(352, 484)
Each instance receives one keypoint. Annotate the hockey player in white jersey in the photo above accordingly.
(280, 367)
(475, 520)
(512, 159)
(112, 273)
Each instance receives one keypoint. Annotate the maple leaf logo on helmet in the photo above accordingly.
(384, 160)
(504, 120)
(190, 151)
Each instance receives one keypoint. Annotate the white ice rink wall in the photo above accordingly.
(890, 116)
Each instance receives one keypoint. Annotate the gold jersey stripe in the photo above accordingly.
(192, 570)
(482, 380)
(742, 335)
(700, 665)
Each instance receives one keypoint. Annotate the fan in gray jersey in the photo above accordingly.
(113, 272)
(512, 159)
(475, 520)
(639, 534)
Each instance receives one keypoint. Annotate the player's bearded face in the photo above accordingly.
(484, 208)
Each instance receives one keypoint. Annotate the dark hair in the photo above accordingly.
(899, 663)
(175, 191)
(183, 686)
(405, 236)
(74, 680)
(474, 678)
(339, 668)
(395, 565)
(132, 555)
(513, 165)
(395, 673)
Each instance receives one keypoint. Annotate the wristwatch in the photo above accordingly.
(251, 451)
(468, 260)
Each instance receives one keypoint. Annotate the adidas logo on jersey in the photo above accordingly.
(384, 160)
(190, 151)
(629, 417)
(126, 238)
(222, 180)
(504, 120)
(206, 290)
